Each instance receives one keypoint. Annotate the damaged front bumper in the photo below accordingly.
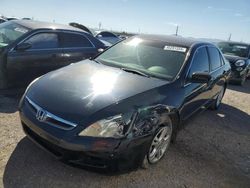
(101, 154)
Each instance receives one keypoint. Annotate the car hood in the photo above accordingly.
(78, 91)
(233, 59)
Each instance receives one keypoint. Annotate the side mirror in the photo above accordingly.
(23, 46)
(201, 77)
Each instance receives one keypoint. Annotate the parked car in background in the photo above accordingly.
(107, 36)
(29, 49)
(123, 37)
(121, 109)
(11, 18)
(238, 54)
(90, 31)
(80, 26)
(26, 18)
(2, 20)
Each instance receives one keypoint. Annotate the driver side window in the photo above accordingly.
(43, 41)
(200, 62)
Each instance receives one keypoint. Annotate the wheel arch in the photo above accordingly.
(156, 117)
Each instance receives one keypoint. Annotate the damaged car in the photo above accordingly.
(121, 110)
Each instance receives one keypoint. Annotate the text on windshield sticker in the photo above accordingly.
(175, 48)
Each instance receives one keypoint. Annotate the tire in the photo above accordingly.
(159, 144)
(216, 103)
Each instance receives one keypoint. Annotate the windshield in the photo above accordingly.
(154, 58)
(9, 32)
(235, 49)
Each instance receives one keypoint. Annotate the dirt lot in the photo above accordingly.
(213, 150)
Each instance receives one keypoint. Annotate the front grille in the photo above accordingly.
(48, 117)
(77, 158)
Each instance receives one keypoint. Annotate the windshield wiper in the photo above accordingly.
(96, 61)
(135, 72)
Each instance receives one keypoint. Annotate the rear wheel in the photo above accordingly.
(159, 144)
(217, 102)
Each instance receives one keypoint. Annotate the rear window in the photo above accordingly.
(75, 41)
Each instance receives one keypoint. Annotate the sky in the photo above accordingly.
(214, 19)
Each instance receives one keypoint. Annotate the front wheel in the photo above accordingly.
(159, 144)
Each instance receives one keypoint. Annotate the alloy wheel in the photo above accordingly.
(160, 144)
(219, 98)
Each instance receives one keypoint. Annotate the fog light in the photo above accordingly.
(239, 69)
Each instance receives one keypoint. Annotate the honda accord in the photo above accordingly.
(121, 109)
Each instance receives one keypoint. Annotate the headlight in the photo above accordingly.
(114, 127)
(240, 63)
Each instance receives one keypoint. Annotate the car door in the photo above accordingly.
(217, 71)
(196, 94)
(76, 47)
(41, 56)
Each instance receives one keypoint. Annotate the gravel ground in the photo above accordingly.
(213, 150)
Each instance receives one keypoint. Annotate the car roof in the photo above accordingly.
(44, 25)
(177, 40)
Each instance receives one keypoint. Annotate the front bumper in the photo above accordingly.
(105, 155)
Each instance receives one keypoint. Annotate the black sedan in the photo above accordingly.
(122, 109)
(29, 49)
(238, 54)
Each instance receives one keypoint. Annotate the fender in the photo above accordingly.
(148, 119)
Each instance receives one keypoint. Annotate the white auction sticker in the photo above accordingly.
(22, 30)
(175, 48)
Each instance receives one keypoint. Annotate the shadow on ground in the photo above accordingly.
(244, 89)
(9, 99)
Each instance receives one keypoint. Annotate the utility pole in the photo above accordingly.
(100, 25)
(177, 30)
(229, 38)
